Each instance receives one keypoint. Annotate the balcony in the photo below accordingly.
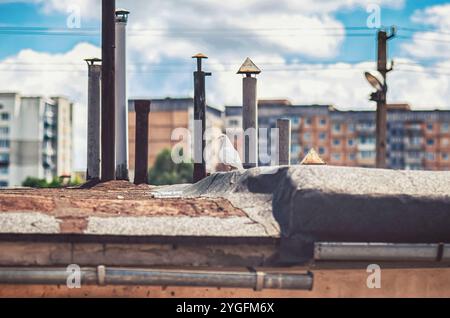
(414, 143)
(366, 128)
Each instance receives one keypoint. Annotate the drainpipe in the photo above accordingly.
(121, 125)
(153, 277)
(331, 251)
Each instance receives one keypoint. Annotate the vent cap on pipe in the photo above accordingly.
(122, 15)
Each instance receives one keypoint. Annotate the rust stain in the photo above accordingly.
(113, 199)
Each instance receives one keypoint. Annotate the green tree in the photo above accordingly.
(166, 172)
(32, 182)
(56, 182)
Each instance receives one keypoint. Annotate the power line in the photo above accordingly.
(424, 29)
(404, 37)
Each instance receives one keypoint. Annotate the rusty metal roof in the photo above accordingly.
(249, 67)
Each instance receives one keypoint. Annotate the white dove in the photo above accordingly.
(228, 156)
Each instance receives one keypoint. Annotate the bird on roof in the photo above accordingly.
(228, 156)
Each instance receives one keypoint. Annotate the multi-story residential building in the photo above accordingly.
(167, 115)
(35, 138)
(416, 139)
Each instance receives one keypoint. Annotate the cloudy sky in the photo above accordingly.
(310, 51)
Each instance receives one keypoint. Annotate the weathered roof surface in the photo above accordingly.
(298, 204)
(119, 208)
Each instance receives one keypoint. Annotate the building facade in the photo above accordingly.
(417, 140)
(166, 117)
(35, 138)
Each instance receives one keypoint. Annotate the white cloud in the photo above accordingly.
(431, 44)
(437, 16)
(161, 65)
(43, 74)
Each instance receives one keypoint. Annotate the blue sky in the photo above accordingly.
(23, 14)
(306, 49)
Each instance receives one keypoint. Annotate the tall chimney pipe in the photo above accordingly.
(250, 113)
(121, 96)
(93, 133)
(142, 109)
(108, 89)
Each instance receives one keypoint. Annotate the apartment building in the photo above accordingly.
(167, 115)
(417, 140)
(35, 138)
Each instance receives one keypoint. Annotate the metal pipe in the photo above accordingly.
(121, 96)
(250, 113)
(199, 119)
(142, 109)
(154, 277)
(326, 251)
(108, 90)
(93, 133)
(284, 143)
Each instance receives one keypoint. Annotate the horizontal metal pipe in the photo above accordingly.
(328, 251)
(150, 277)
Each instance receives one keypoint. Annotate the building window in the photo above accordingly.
(337, 127)
(3, 184)
(444, 142)
(5, 116)
(445, 156)
(4, 130)
(445, 127)
(367, 154)
(307, 136)
(4, 143)
(322, 136)
(416, 141)
(430, 127)
(234, 122)
(336, 156)
(366, 140)
(351, 142)
(4, 171)
(336, 142)
(352, 157)
(430, 142)
(323, 122)
(430, 156)
(351, 127)
(308, 121)
(322, 150)
(4, 158)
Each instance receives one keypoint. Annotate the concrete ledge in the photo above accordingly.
(337, 204)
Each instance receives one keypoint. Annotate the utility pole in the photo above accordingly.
(199, 119)
(380, 98)
(250, 113)
(121, 96)
(93, 133)
(108, 89)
